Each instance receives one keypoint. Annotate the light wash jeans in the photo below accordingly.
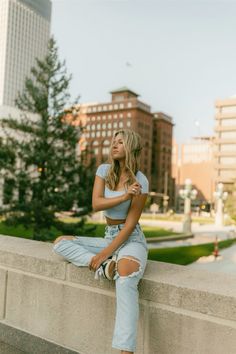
(80, 250)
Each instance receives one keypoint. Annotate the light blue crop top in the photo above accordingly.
(120, 211)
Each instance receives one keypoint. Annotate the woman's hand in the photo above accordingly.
(97, 260)
(133, 189)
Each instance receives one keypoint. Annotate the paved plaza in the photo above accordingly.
(8, 349)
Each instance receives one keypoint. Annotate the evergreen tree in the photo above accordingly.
(38, 154)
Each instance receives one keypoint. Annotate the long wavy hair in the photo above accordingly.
(132, 147)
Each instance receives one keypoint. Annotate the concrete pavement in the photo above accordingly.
(8, 349)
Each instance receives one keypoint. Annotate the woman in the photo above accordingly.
(120, 189)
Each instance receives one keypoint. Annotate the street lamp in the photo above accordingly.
(220, 196)
(187, 194)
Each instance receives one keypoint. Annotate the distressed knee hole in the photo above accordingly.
(128, 266)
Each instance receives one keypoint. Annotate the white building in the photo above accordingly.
(24, 34)
(225, 151)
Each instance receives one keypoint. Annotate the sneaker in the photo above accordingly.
(106, 270)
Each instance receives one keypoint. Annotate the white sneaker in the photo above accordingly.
(107, 269)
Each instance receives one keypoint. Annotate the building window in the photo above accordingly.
(103, 133)
(115, 125)
(129, 104)
(228, 147)
(129, 115)
(228, 135)
(128, 123)
(105, 151)
(121, 124)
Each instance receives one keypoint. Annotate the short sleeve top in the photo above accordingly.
(120, 211)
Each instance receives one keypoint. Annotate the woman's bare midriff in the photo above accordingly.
(114, 222)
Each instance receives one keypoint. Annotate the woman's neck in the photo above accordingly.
(122, 166)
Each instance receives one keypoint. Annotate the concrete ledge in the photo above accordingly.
(23, 254)
(3, 283)
(182, 310)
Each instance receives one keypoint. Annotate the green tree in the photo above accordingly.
(39, 152)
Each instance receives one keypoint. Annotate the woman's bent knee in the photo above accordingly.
(60, 238)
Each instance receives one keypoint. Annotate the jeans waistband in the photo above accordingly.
(119, 226)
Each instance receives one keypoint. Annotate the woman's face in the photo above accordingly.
(117, 148)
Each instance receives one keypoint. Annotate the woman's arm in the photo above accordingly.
(101, 203)
(132, 219)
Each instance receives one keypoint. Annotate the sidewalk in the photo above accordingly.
(225, 263)
(205, 233)
(7, 349)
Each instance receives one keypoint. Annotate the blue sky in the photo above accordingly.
(181, 54)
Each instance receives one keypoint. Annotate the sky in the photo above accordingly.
(179, 56)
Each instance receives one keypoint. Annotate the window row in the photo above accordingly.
(105, 151)
(115, 125)
(109, 107)
(109, 116)
(99, 134)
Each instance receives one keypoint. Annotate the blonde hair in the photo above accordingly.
(132, 147)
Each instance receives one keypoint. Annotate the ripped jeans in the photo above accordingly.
(80, 251)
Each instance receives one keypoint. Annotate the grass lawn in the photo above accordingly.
(21, 231)
(186, 254)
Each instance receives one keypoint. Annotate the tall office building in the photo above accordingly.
(225, 142)
(24, 35)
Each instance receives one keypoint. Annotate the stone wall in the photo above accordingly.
(50, 306)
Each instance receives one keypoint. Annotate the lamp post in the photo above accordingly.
(220, 196)
(187, 194)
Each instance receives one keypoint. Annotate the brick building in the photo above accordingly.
(125, 110)
(162, 181)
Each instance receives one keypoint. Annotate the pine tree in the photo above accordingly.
(39, 150)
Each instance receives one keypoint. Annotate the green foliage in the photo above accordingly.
(39, 152)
